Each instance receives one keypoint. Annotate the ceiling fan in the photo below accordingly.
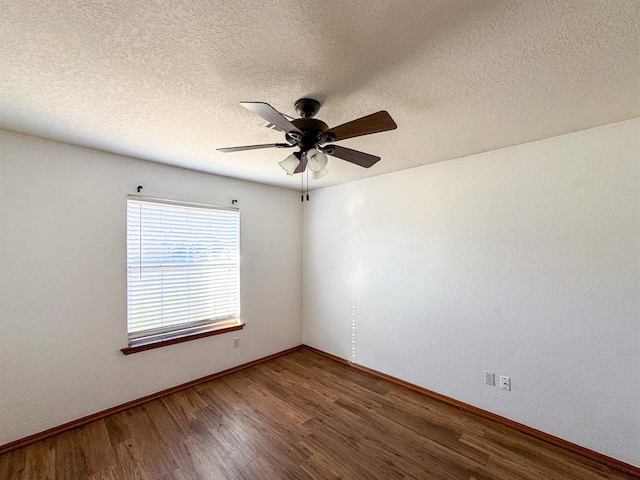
(311, 136)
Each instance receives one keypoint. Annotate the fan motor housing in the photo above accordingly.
(311, 129)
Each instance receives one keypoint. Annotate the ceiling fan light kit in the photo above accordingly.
(290, 164)
(317, 160)
(319, 174)
(311, 135)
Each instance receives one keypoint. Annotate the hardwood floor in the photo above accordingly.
(300, 416)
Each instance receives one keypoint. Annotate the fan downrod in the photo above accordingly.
(307, 107)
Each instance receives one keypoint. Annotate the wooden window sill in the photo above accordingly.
(183, 338)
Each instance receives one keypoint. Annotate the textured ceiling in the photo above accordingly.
(162, 80)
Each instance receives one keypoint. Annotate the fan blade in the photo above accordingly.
(354, 156)
(374, 123)
(254, 147)
(270, 114)
(302, 166)
(271, 126)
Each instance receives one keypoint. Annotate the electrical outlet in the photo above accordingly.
(236, 342)
(490, 378)
(505, 382)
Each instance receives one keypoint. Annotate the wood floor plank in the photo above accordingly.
(268, 468)
(147, 445)
(279, 413)
(118, 427)
(554, 458)
(175, 475)
(406, 463)
(306, 400)
(70, 461)
(128, 467)
(109, 473)
(414, 401)
(198, 459)
(219, 395)
(230, 442)
(96, 446)
(533, 457)
(40, 461)
(12, 463)
(345, 453)
(169, 429)
(300, 416)
(275, 385)
(221, 404)
(183, 405)
(318, 470)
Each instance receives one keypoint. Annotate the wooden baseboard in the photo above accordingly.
(134, 403)
(558, 442)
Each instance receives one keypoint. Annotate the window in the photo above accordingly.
(183, 271)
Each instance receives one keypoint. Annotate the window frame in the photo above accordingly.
(159, 337)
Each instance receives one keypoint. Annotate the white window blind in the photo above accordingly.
(183, 268)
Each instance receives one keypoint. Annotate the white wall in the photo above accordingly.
(522, 261)
(63, 281)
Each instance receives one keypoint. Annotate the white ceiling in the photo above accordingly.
(162, 80)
